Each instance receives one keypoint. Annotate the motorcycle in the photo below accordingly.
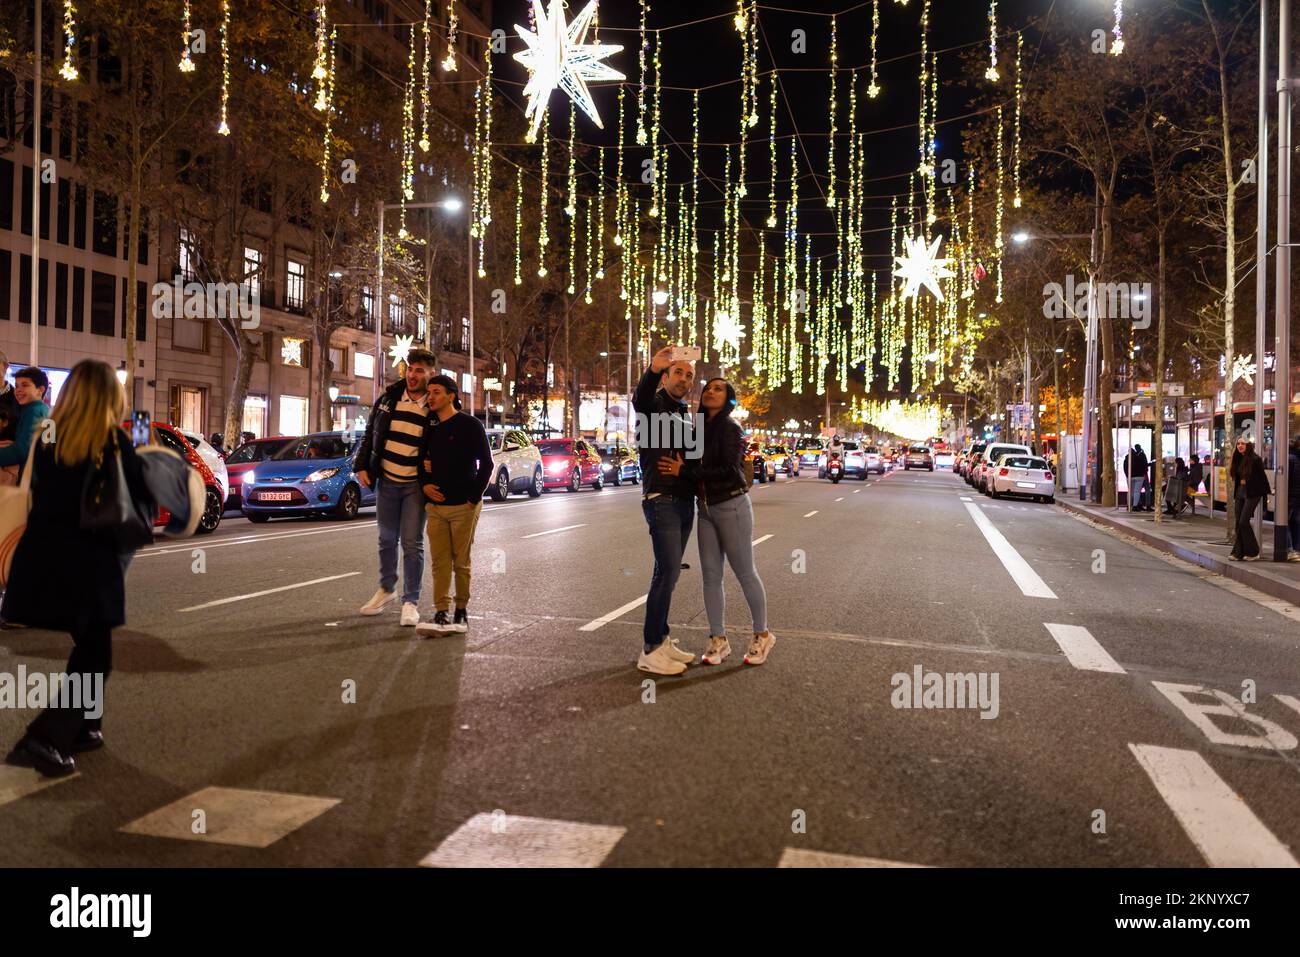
(835, 469)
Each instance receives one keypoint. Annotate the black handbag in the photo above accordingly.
(108, 508)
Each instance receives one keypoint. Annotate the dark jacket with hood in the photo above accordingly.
(719, 474)
(651, 401)
(370, 456)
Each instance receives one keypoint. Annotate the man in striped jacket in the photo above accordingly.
(389, 458)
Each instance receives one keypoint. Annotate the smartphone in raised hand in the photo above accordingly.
(686, 353)
(140, 424)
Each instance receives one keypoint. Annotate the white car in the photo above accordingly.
(993, 453)
(516, 463)
(874, 462)
(1023, 475)
(211, 458)
(944, 459)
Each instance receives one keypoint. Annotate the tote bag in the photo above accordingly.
(15, 503)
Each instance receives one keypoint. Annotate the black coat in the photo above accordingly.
(720, 472)
(670, 428)
(1256, 482)
(63, 578)
(370, 455)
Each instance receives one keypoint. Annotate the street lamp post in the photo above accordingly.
(1282, 314)
(451, 204)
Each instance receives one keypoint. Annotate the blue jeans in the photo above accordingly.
(727, 530)
(400, 507)
(670, 521)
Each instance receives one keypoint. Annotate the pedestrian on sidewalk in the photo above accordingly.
(1135, 468)
(1195, 479)
(67, 577)
(1293, 499)
(1249, 486)
(727, 524)
(455, 468)
(665, 438)
(389, 458)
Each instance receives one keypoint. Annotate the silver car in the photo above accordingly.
(516, 463)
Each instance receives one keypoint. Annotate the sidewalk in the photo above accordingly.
(1200, 540)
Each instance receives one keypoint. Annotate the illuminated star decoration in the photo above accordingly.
(922, 266)
(556, 56)
(1244, 368)
(400, 349)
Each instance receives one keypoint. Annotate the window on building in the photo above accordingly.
(254, 420)
(141, 294)
(103, 303)
(293, 415)
(27, 205)
(78, 299)
(6, 282)
(253, 272)
(104, 237)
(464, 333)
(79, 217)
(338, 360)
(60, 295)
(295, 289)
(64, 233)
(421, 321)
(25, 290)
(396, 313)
(6, 194)
(190, 334)
(185, 258)
(187, 411)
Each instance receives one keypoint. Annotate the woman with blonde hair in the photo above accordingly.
(68, 578)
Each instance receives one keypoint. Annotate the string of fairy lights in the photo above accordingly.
(808, 317)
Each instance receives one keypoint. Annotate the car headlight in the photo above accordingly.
(250, 478)
(557, 468)
(606, 466)
(321, 474)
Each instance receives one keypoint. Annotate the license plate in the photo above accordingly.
(275, 496)
(1026, 485)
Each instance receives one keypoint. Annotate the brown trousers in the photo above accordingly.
(451, 537)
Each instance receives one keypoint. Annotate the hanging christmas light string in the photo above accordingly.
(640, 96)
(600, 218)
(1117, 45)
(932, 140)
(753, 64)
(771, 140)
(873, 89)
(186, 64)
(1020, 45)
(425, 77)
(830, 192)
(1001, 205)
(408, 139)
(321, 67)
(924, 120)
(588, 271)
(69, 68)
(222, 128)
(453, 31)
(571, 209)
(991, 73)
(618, 178)
(656, 184)
(329, 120)
(519, 224)
(543, 237)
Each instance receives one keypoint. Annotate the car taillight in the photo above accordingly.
(1004, 471)
(1047, 475)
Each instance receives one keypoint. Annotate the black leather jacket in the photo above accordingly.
(653, 402)
(370, 454)
(720, 473)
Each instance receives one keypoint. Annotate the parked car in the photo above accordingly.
(620, 464)
(516, 462)
(784, 460)
(243, 459)
(213, 457)
(1023, 475)
(571, 464)
(993, 453)
(809, 453)
(944, 458)
(312, 475)
(214, 502)
(972, 459)
(918, 457)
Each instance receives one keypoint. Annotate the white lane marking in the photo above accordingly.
(965, 498)
(1021, 573)
(233, 816)
(1218, 821)
(760, 541)
(604, 620)
(268, 591)
(18, 782)
(1227, 706)
(197, 542)
(552, 531)
(840, 499)
(1083, 650)
(797, 857)
(856, 491)
(505, 840)
(812, 513)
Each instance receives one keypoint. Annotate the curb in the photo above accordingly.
(1238, 571)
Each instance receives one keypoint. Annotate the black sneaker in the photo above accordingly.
(461, 622)
(440, 625)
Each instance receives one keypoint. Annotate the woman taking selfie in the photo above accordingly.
(726, 518)
(65, 577)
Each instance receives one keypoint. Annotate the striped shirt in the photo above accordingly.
(406, 425)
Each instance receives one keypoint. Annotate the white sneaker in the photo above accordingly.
(718, 650)
(759, 648)
(677, 652)
(410, 615)
(660, 662)
(377, 603)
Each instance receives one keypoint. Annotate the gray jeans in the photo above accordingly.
(727, 530)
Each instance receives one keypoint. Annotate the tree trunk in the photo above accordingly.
(1157, 439)
(235, 401)
(1106, 374)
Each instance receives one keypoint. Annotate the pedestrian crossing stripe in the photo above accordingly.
(18, 783)
(798, 857)
(236, 816)
(497, 839)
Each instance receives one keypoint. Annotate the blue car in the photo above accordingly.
(312, 475)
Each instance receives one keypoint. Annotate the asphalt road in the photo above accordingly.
(1117, 736)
